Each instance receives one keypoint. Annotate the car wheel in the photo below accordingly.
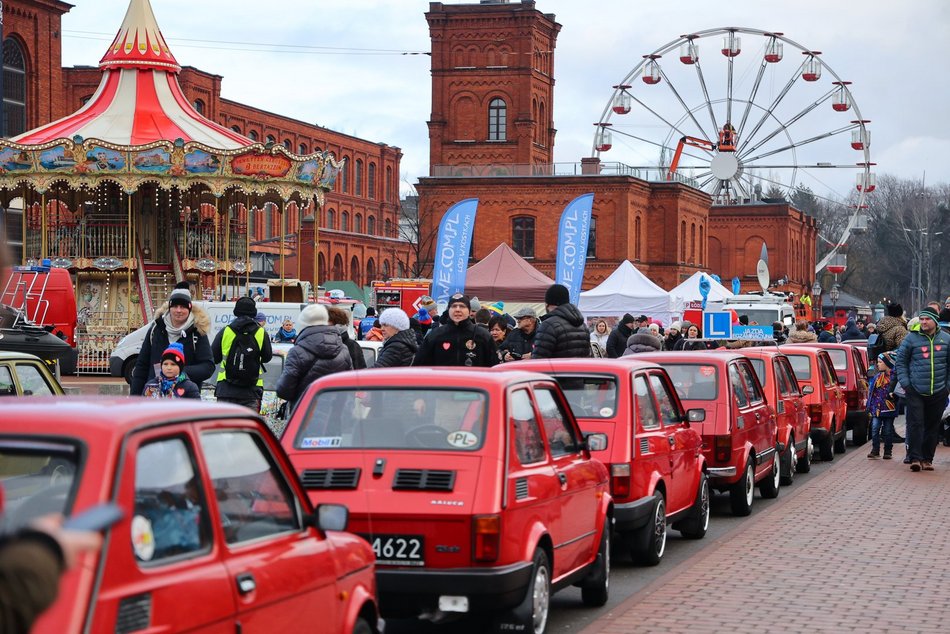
(741, 493)
(841, 442)
(650, 541)
(859, 432)
(770, 485)
(362, 627)
(696, 525)
(804, 464)
(532, 614)
(825, 449)
(596, 590)
(789, 462)
(127, 368)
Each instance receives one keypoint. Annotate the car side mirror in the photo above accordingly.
(596, 441)
(697, 415)
(332, 517)
(807, 389)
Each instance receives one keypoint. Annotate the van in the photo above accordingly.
(763, 310)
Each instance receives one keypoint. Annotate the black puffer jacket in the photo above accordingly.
(517, 342)
(643, 342)
(354, 348)
(199, 364)
(562, 333)
(460, 344)
(617, 340)
(398, 351)
(319, 351)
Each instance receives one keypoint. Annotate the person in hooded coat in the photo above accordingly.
(562, 332)
(400, 344)
(827, 333)
(851, 331)
(340, 319)
(318, 351)
(643, 341)
(617, 339)
(801, 334)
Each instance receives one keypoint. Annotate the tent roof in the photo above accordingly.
(505, 275)
(688, 290)
(626, 290)
(138, 100)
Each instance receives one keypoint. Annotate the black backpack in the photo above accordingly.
(243, 365)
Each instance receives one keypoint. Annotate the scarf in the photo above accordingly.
(174, 334)
(166, 384)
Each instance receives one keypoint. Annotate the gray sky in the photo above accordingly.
(896, 55)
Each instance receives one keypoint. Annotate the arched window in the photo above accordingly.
(355, 271)
(302, 149)
(371, 181)
(321, 268)
(287, 144)
(14, 88)
(497, 120)
(683, 241)
(371, 226)
(592, 239)
(345, 221)
(345, 176)
(370, 270)
(542, 126)
(389, 184)
(400, 269)
(358, 223)
(385, 269)
(702, 244)
(337, 267)
(522, 236)
(236, 128)
(692, 243)
(637, 237)
(252, 135)
(199, 106)
(271, 139)
(388, 225)
(358, 177)
(331, 219)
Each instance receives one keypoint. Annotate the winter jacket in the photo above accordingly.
(562, 333)
(892, 331)
(517, 342)
(199, 363)
(457, 344)
(284, 336)
(319, 351)
(690, 345)
(355, 350)
(802, 336)
(825, 336)
(881, 403)
(671, 341)
(398, 351)
(220, 352)
(851, 332)
(182, 387)
(617, 341)
(643, 342)
(30, 565)
(922, 363)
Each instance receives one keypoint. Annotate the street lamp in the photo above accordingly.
(816, 297)
(834, 294)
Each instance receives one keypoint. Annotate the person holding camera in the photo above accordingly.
(518, 343)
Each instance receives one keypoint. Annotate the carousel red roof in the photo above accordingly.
(139, 99)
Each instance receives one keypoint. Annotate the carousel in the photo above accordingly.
(137, 191)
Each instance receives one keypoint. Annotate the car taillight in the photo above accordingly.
(487, 533)
(814, 413)
(722, 448)
(620, 480)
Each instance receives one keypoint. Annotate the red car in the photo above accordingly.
(778, 379)
(739, 426)
(218, 534)
(852, 371)
(823, 397)
(657, 469)
(475, 488)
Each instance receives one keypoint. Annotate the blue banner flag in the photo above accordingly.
(451, 250)
(704, 287)
(572, 236)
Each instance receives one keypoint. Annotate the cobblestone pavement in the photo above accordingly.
(863, 547)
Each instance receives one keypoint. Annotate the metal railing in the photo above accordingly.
(94, 351)
(651, 174)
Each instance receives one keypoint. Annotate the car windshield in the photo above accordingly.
(694, 381)
(395, 418)
(38, 478)
(801, 366)
(590, 396)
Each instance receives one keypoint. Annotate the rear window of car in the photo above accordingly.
(590, 396)
(759, 366)
(801, 366)
(839, 358)
(38, 478)
(394, 418)
(694, 381)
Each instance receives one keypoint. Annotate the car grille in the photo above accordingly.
(427, 479)
(521, 488)
(330, 478)
(135, 613)
(644, 446)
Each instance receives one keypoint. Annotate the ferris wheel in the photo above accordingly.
(749, 119)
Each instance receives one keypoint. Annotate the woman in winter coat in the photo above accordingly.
(643, 341)
(318, 351)
(400, 344)
(801, 334)
(600, 334)
(689, 340)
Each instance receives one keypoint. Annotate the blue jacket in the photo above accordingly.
(922, 363)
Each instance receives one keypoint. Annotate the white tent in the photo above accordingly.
(627, 290)
(688, 291)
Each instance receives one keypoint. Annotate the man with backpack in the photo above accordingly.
(240, 350)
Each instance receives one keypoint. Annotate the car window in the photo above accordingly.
(171, 511)
(646, 409)
(7, 388)
(37, 478)
(560, 434)
(664, 399)
(753, 390)
(782, 382)
(839, 358)
(590, 396)
(451, 419)
(862, 370)
(828, 377)
(524, 426)
(32, 381)
(759, 366)
(369, 356)
(254, 500)
(795, 390)
(801, 366)
(738, 389)
(694, 381)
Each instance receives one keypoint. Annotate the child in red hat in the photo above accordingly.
(172, 382)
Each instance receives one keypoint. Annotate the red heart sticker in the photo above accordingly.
(181, 391)
(446, 345)
(939, 348)
(923, 348)
(926, 355)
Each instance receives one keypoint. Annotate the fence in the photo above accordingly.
(94, 351)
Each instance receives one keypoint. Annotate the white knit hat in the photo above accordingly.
(395, 317)
(313, 315)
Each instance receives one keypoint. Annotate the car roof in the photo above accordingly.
(9, 355)
(691, 357)
(760, 352)
(429, 377)
(622, 365)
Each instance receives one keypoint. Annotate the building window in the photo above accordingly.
(236, 128)
(302, 149)
(358, 177)
(271, 139)
(14, 88)
(692, 243)
(358, 223)
(252, 135)
(522, 236)
(497, 120)
(85, 100)
(355, 271)
(199, 106)
(385, 269)
(702, 242)
(331, 219)
(370, 270)
(371, 225)
(371, 181)
(287, 144)
(389, 184)
(592, 239)
(637, 238)
(389, 228)
(683, 241)
(345, 176)
(337, 267)
(345, 221)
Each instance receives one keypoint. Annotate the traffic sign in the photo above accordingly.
(753, 333)
(717, 325)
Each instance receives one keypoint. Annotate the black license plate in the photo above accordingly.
(397, 550)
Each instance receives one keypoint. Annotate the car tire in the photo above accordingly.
(128, 367)
(362, 627)
(769, 488)
(596, 590)
(789, 463)
(825, 448)
(742, 492)
(859, 431)
(696, 525)
(841, 442)
(532, 614)
(804, 463)
(649, 542)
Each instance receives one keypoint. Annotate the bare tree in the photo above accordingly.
(420, 237)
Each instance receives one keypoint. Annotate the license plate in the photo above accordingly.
(397, 550)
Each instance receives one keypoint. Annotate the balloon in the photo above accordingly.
(736, 285)
(704, 287)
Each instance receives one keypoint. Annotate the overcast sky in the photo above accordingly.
(896, 55)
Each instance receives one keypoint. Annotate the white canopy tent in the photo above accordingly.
(688, 291)
(627, 290)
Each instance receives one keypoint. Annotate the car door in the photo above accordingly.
(763, 423)
(683, 453)
(655, 444)
(281, 574)
(33, 380)
(832, 389)
(794, 402)
(163, 570)
(743, 414)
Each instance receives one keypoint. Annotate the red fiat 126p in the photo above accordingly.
(475, 488)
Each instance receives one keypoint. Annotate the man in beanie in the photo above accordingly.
(922, 364)
(458, 342)
(172, 382)
(400, 344)
(562, 332)
(240, 351)
(617, 341)
(175, 321)
(520, 341)
(318, 351)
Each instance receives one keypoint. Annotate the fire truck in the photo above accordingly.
(400, 293)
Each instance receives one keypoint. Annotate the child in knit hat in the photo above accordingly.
(882, 406)
(172, 382)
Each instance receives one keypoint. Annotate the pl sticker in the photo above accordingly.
(462, 439)
(143, 539)
(321, 442)
(606, 412)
